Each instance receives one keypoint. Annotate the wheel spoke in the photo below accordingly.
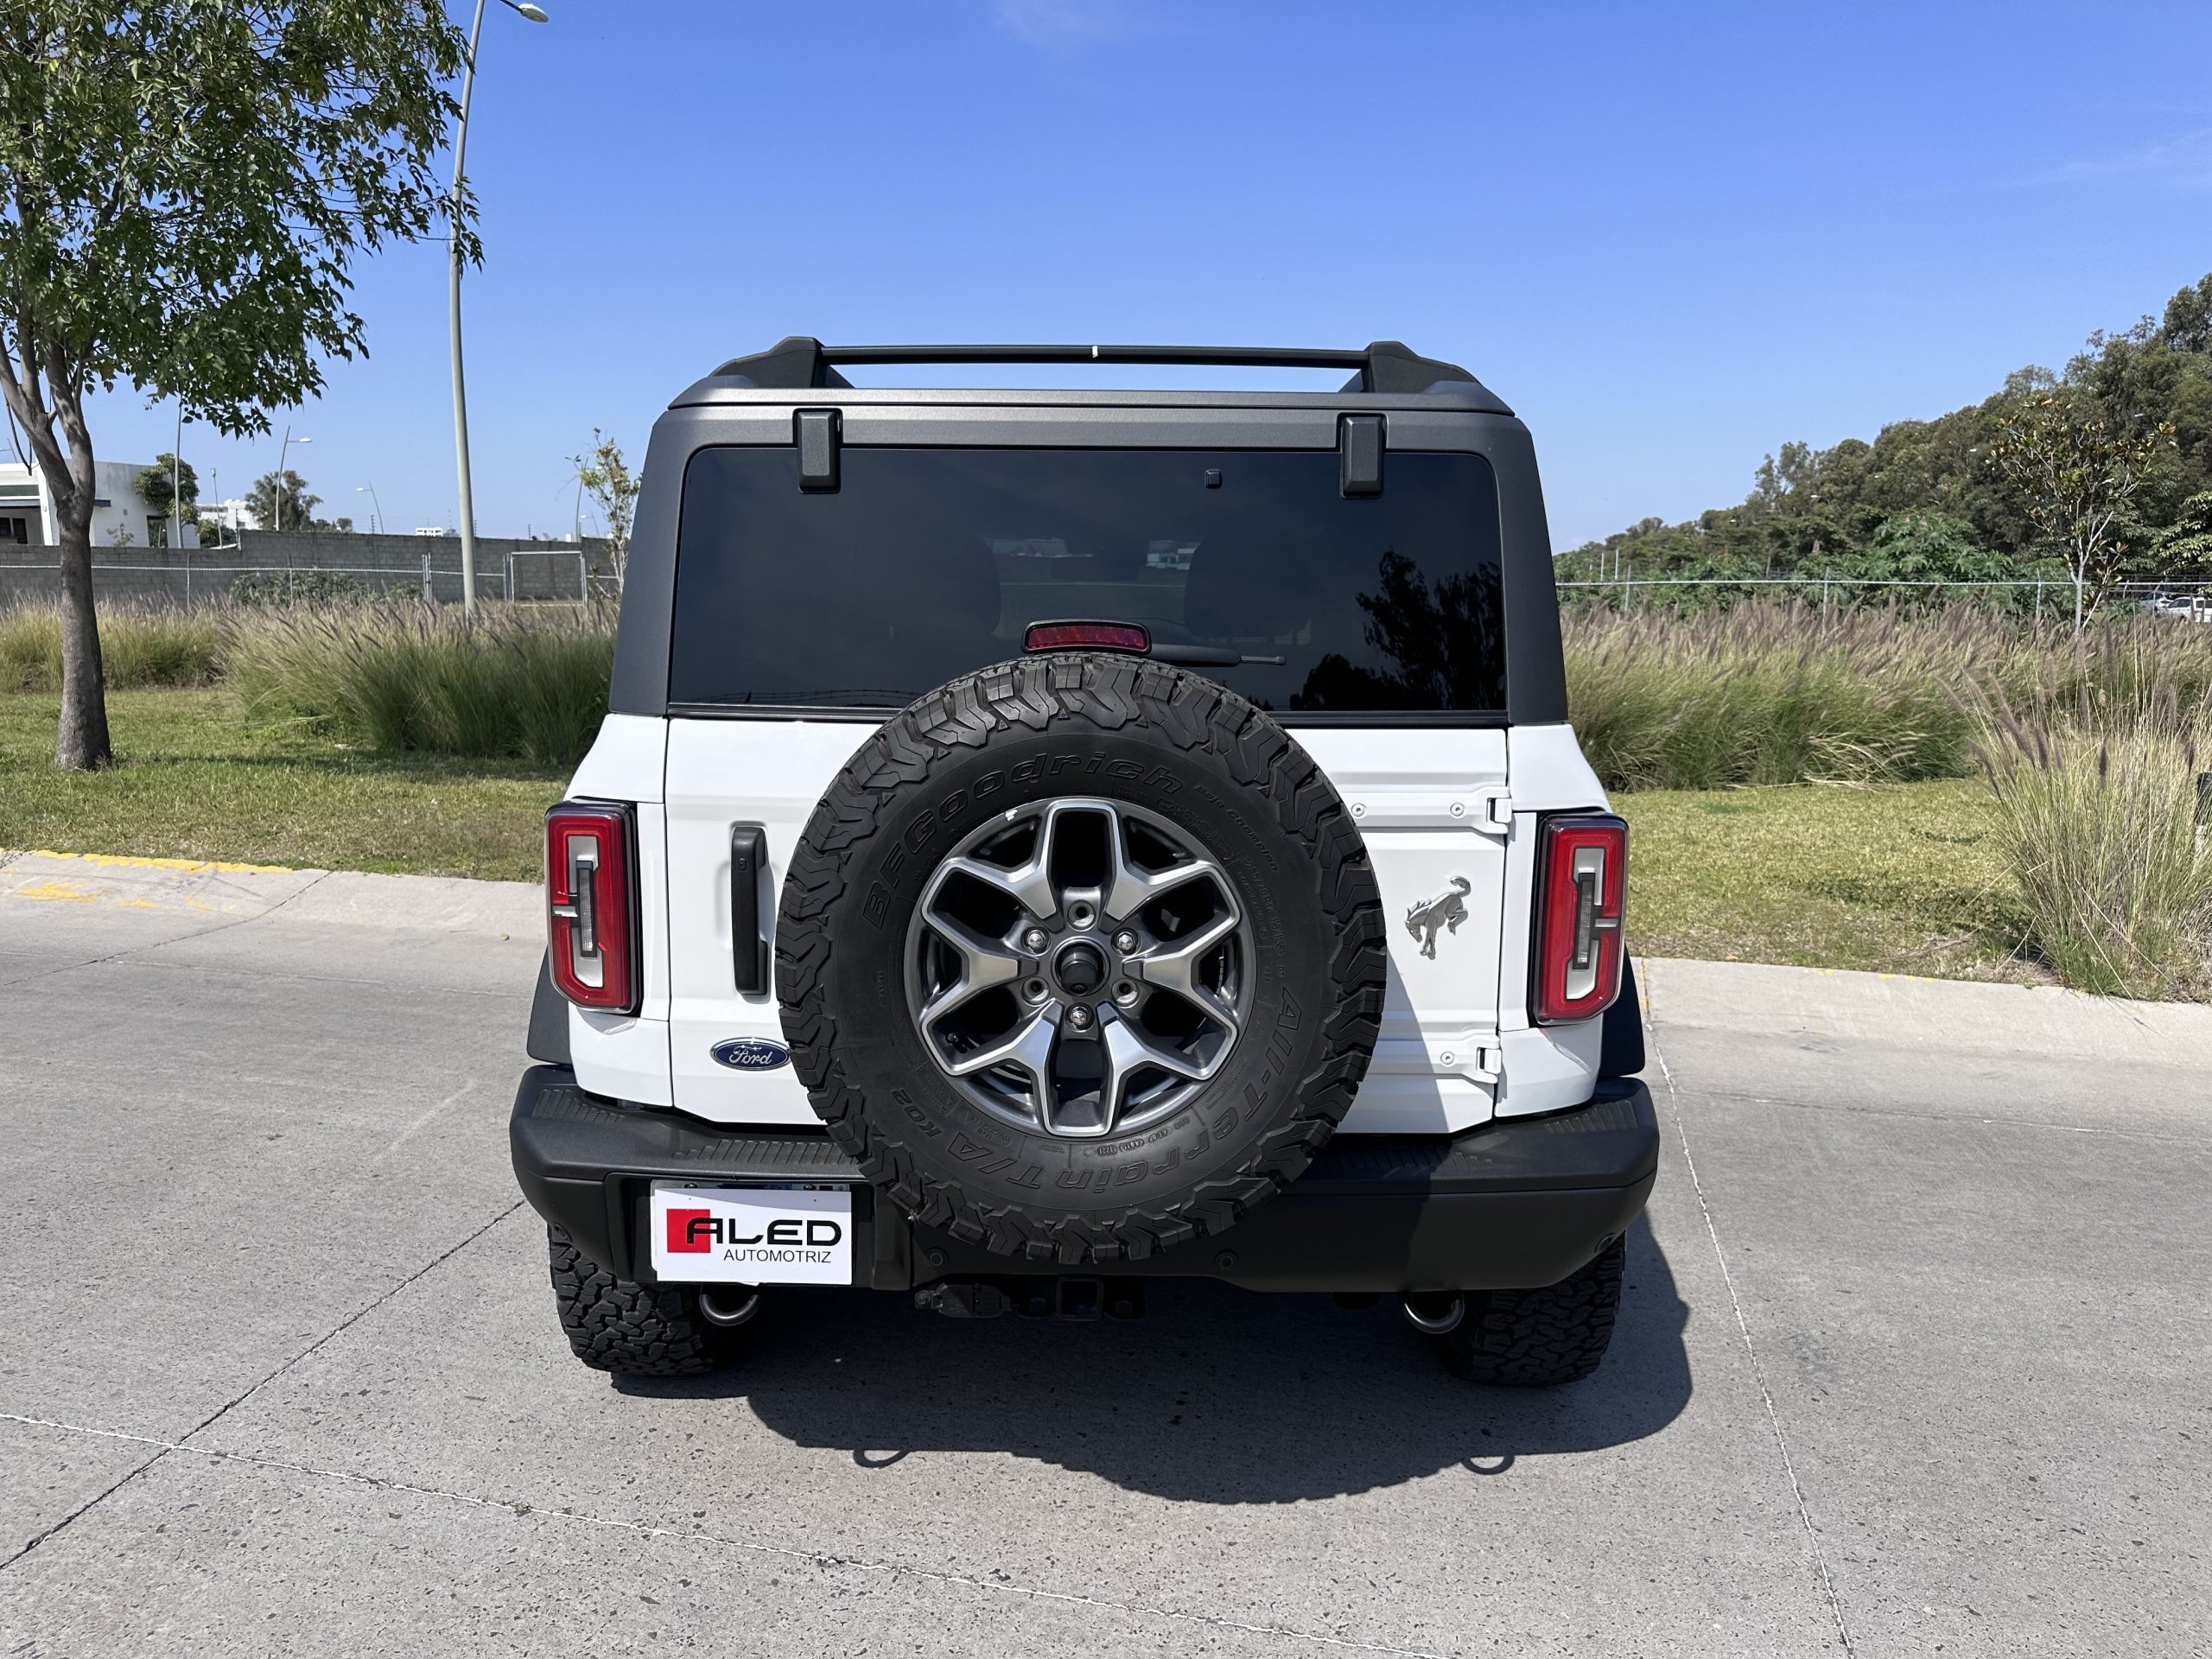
(1174, 968)
(1029, 883)
(1028, 1048)
(1127, 1051)
(984, 963)
(1129, 889)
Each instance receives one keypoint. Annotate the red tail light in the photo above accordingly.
(1580, 901)
(589, 884)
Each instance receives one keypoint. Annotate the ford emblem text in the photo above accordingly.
(750, 1054)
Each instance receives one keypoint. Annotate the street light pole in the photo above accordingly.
(176, 501)
(534, 15)
(279, 490)
(376, 517)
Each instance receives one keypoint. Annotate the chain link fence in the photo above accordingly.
(2045, 598)
(270, 564)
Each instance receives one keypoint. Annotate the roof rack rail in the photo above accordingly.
(800, 361)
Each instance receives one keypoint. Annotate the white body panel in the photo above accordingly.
(721, 773)
(1426, 801)
(1437, 806)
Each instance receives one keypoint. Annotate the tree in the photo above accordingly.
(607, 479)
(2186, 544)
(161, 484)
(282, 501)
(2075, 470)
(184, 185)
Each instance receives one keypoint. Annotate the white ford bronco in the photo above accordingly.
(1046, 841)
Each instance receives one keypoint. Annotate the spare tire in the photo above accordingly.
(1080, 957)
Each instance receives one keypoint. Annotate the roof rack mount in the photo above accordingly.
(800, 361)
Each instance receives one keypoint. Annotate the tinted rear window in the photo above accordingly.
(927, 564)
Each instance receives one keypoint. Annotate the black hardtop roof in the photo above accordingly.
(800, 362)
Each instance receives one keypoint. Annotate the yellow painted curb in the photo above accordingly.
(189, 865)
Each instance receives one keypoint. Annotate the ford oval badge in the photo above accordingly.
(750, 1054)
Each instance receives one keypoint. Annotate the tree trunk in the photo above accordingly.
(81, 744)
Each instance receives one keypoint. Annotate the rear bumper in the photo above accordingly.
(1513, 1204)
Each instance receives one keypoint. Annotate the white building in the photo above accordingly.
(121, 517)
(222, 521)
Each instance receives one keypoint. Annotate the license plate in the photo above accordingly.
(753, 1235)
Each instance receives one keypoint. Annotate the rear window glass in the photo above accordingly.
(927, 563)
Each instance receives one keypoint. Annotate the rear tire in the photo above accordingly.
(1538, 1338)
(629, 1329)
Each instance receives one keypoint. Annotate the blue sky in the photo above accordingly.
(1672, 237)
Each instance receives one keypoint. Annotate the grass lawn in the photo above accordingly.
(193, 778)
(1900, 878)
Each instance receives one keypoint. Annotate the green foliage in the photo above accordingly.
(1820, 513)
(144, 646)
(607, 479)
(260, 589)
(415, 679)
(2185, 546)
(2077, 465)
(192, 183)
(282, 501)
(159, 487)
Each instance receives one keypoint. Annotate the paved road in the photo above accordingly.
(1913, 1358)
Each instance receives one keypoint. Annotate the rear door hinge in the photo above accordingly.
(1487, 809)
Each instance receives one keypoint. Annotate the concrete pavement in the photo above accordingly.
(1912, 1357)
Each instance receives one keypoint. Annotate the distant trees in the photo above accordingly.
(282, 501)
(1937, 500)
(607, 478)
(161, 484)
(2077, 466)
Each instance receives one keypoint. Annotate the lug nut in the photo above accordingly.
(1034, 939)
(1079, 1017)
(1125, 941)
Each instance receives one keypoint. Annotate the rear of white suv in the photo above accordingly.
(1263, 920)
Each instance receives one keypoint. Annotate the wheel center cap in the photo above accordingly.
(1080, 968)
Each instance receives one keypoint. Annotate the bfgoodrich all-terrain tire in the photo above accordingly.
(1534, 1338)
(1175, 777)
(632, 1330)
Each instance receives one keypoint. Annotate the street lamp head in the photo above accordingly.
(536, 14)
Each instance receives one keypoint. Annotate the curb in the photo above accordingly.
(250, 892)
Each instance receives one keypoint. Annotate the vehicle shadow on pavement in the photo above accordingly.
(1216, 1396)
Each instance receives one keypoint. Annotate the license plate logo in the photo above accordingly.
(753, 1235)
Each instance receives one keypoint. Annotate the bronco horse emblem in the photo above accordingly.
(1445, 912)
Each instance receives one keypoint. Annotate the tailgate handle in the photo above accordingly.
(749, 862)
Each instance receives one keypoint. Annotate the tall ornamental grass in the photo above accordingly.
(411, 677)
(140, 645)
(1778, 693)
(2098, 821)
